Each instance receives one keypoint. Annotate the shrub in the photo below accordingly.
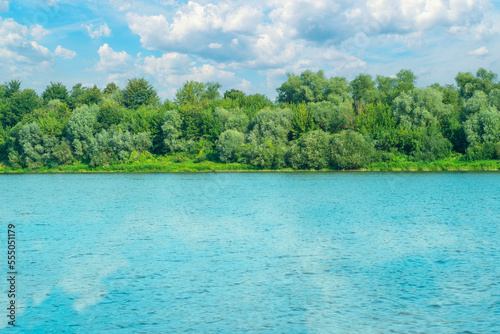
(350, 150)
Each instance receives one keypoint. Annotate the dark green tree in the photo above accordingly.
(230, 146)
(139, 92)
(350, 150)
(55, 91)
(311, 150)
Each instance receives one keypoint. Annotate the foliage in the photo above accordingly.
(420, 108)
(116, 145)
(363, 89)
(468, 84)
(110, 88)
(311, 150)
(197, 93)
(331, 117)
(55, 91)
(372, 119)
(271, 125)
(483, 126)
(139, 92)
(303, 120)
(110, 113)
(11, 87)
(81, 127)
(21, 104)
(171, 129)
(312, 87)
(232, 119)
(317, 123)
(230, 145)
(350, 150)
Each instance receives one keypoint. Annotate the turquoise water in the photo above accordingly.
(254, 252)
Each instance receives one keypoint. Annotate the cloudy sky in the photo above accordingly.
(244, 45)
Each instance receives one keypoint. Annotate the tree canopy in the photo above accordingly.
(317, 122)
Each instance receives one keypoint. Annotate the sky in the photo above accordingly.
(250, 46)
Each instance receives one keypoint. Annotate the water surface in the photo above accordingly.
(255, 252)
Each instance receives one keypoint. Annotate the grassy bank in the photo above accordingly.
(167, 164)
(456, 163)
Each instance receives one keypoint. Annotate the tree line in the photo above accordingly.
(315, 123)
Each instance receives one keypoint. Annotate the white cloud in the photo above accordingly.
(111, 61)
(422, 15)
(169, 63)
(64, 53)
(38, 32)
(102, 30)
(192, 23)
(122, 5)
(214, 45)
(203, 73)
(18, 45)
(483, 51)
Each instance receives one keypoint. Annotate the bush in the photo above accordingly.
(350, 150)
(230, 145)
(484, 151)
(311, 150)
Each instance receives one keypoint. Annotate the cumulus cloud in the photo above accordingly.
(18, 45)
(102, 30)
(421, 15)
(64, 53)
(193, 23)
(169, 63)
(273, 34)
(482, 51)
(111, 61)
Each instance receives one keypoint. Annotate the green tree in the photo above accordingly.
(386, 89)
(110, 88)
(373, 119)
(31, 147)
(230, 145)
(350, 150)
(468, 83)
(11, 87)
(477, 102)
(302, 121)
(233, 119)
(81, 127)
(483, 126)
(363, 89)
(55, 91)
(331, 117)
(110, 113)
(21, 104)
(171, 129)
(420, 108)
(311, 150)
(115, 145)
(274, 125)
(139, 92)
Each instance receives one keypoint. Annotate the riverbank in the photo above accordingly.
(166, 164)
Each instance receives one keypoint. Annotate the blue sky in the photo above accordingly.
(244, 45)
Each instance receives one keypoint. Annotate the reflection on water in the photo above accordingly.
(228, 253)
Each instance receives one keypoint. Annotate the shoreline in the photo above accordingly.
(187, 171)
(162, 165)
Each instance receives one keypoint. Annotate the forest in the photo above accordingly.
(316, 122)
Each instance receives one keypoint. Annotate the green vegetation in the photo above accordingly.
(316, 123)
